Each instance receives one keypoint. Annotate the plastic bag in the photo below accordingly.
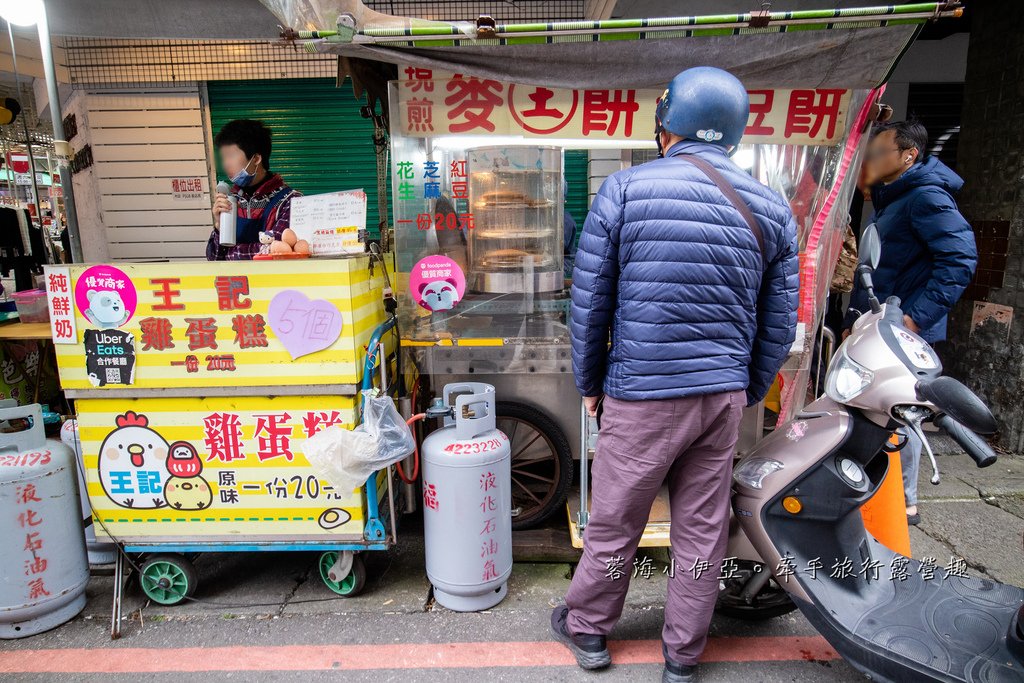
(346, 458)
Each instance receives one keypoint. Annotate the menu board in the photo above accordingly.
(332, 223)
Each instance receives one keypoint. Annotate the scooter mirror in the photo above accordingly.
(870, 247)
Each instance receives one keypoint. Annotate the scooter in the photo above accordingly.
(797, 498)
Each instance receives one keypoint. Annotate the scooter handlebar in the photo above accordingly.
(979, 450)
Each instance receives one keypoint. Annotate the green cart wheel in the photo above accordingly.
(349, 586)
(167, 579)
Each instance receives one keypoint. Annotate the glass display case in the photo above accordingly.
(516, 196)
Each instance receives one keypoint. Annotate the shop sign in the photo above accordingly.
(59, 299)
(186, 189)
(241, 324)
(433, 103)
(212, 469)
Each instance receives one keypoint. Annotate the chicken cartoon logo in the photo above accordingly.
(186, 490)
(132, 463)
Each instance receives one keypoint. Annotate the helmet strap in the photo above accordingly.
(658, 129)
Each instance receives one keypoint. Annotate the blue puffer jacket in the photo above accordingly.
(928, 250)
(671, 270)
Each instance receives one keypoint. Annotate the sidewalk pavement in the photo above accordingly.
(268, 615)
(976, 514)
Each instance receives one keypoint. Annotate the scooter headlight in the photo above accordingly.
(846, 379)
(752, 471)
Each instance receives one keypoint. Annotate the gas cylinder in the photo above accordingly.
(467, 500)
(99, 553)
(43, 568)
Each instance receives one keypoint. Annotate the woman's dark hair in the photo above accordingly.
(252, 137)
(910, 134)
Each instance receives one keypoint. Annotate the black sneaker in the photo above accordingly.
(591, 651)
(678, 673)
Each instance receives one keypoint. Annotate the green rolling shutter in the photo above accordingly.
(321, 142)
(577, 173)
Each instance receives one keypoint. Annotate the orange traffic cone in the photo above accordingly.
(885, 513)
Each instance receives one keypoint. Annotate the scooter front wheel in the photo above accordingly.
(767, 601)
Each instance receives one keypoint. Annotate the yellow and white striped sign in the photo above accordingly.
(207, 324)
(215, 470)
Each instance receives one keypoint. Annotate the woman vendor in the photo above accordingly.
(264, 200)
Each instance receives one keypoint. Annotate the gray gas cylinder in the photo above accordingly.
(99, 553)
(43, 568)
(467, 502)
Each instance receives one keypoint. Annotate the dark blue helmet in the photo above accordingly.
(707, 104)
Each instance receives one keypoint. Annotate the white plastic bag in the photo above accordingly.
(346, 458)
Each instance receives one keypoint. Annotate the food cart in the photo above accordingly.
(478, 113)
(195, 385)
(476, 108)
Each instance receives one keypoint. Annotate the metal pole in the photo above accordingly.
(26, 237)
(60, 145)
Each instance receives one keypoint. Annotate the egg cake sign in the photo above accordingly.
(214, 470)
(167, 326)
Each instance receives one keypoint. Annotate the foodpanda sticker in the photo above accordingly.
(437, 283)
(105, 296)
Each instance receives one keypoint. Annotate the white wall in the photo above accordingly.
(141, 141)
(87, 200)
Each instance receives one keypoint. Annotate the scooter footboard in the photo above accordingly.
(918, 622)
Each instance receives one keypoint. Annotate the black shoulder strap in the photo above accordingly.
(731, 194)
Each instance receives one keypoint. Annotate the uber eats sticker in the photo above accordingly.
(109, 357)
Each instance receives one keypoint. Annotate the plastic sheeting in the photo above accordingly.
(839, 57)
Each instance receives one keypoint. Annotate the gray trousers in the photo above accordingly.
(910, 461)
(688, 443)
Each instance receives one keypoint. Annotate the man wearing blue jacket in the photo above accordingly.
(688, 266)
(928, 249)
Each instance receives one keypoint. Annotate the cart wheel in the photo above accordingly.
(349, 586)
(541, 463)
(167, 579)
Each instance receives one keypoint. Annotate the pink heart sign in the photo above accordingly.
(302, 325)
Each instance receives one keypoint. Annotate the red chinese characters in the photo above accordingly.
(223, 437)
(230, 290)
(62, 314)
(317, 421)
(250, 331)
(156, 334)
(35, 563)
(489, 547)
(273, 436)
(603, 110)
(430, 497)
(201, 333)
(760, 107)
(166, 293)
(419, 114)
(810, 110)
(472, 101)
